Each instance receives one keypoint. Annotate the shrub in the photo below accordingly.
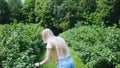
(95, 45)
(20, 45)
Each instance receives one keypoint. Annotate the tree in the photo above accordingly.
(114, 14)
(45, 14)
(103, 15)
(62, 14)
(15, 6)
(28, 11)
(4, 12)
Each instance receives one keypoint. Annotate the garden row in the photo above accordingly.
(98, 47)
(20, 45)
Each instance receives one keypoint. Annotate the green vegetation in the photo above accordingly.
(77, 61)
(28, 13)
(20, 45)
(61, 15)
(4, 12)
(97, 47)
(90, 27)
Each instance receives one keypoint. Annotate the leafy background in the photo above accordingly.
(91, 29)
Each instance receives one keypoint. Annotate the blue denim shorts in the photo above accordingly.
(66, 63)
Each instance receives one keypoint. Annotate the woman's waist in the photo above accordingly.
(67, 59)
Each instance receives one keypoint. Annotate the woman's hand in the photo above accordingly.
(37, 64)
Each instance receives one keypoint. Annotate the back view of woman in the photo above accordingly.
(59, 50)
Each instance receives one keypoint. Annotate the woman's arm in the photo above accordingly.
(46, 58)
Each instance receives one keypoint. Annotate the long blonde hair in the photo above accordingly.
(49, 37)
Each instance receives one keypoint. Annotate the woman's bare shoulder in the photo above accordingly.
(59, 37)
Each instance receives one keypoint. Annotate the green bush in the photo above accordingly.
(20, 45)
(98, 47)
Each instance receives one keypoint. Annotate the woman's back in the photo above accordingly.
(58, 47)
(61, 48)
(65, 60)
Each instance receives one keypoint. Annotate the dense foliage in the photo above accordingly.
(97, 47)
(20, 45)
(93, 37)
(61, 15)
(4, 12)
(28, 11)
(14, 7)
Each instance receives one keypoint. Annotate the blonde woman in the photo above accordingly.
(59, 50)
